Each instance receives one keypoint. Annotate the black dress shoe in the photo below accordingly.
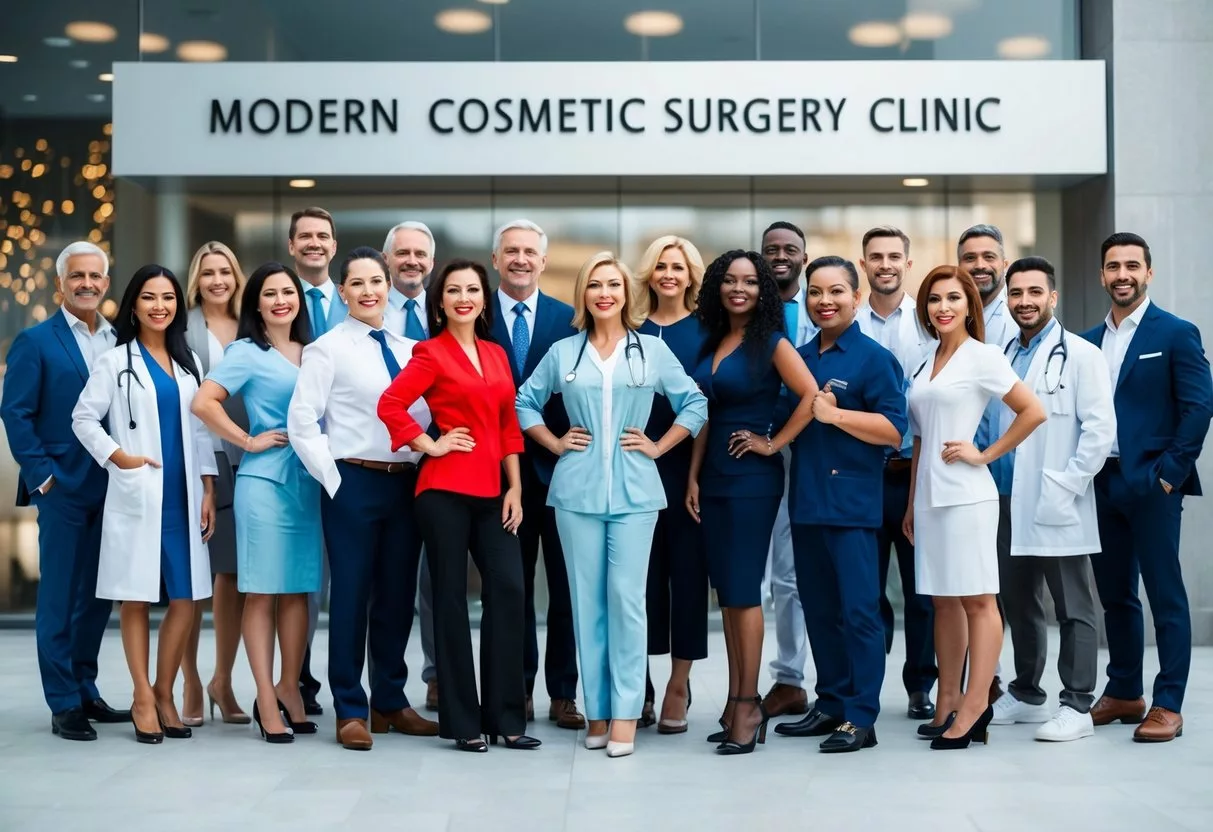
(816, 724)
(849, 737)
(99, 711)
(310, 706)
(921, 707)
(72, 724)
(520, 743)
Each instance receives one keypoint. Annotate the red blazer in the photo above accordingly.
(458, 397)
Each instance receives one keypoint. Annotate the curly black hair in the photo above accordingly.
(766, 319)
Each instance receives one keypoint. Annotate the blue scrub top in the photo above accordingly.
(836, 479)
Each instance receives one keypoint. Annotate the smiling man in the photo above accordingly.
(1164, 400)
(409, 251)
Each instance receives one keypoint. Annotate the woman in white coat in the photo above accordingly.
(159, 505)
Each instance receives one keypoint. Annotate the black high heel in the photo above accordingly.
(719, 736)
(476, 746)
(520, 743)
(306, 727)
(980, 732)
(147, 737)
(271, 737)
(930, 732)
(172, 731)
(729, 747)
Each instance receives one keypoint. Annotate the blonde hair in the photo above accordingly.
(646, 297)
(631, 317)
(193, 295)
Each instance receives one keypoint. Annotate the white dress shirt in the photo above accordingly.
(900, 333)
(333, 412)
(91, 344)
(508, 313)
(394, 316)
(1000, 326)
(1116, 340)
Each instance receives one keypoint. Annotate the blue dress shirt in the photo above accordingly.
(1003, 468)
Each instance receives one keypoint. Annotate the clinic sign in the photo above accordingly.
(616, 119)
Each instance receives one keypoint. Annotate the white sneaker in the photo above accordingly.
(1008, 710)
(1067, 724)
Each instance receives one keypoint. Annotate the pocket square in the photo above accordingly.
(1149, 355)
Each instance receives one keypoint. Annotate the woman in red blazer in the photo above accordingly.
(465, 379)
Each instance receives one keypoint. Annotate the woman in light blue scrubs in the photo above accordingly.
(606, 488)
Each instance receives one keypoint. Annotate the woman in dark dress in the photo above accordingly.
(736, 477)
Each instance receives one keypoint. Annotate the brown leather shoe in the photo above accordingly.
(1128, 711)
(1160, 725)
(352, 734)
(404, 721)
(431, 695)
(783, 700)
(995, 690)
(564, 713)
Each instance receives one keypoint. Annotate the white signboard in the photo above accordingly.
(614, 119)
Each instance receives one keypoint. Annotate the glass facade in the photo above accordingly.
(56, 185)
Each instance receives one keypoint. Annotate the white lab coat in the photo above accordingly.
(129, 568)
(913, 343)
(1052, 498)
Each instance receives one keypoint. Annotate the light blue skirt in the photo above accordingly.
(278, 534)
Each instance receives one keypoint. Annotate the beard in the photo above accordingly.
(890, 289)
(1139, 289)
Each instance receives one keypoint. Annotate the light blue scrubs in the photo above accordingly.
(606, 500)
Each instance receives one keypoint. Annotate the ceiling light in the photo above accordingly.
(30, 97)
(96, 97)
(201, 51)
(916, 182)
(106, 76)
(494, 2)
(653, 24)
(875, 33)
(302, 183)
(57, 41)
(926, 25)
(463, 21)
(1023, 47)
(78, 63)
(152, 43)
(8, 59)
(91, 31)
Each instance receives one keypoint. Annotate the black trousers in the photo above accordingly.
(919, 672)
(453, 525)
(560, 659)
(677, 596)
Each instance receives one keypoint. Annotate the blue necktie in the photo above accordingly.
(521, 336)
(412, 324)
(791, 317)
(389, 360)
(315, 310)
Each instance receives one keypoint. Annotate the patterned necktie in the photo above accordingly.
(791, 317)
(412, 324)
(521, 336)
(389, 360)
(315, 310)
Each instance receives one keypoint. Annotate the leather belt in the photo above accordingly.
(385, 467)
(897, 464)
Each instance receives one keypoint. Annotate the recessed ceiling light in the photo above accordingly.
(201, 51)
(653, 24)
(463, 21)
(78, 63)
(106, 76)
(91, 31)
(875, 33)
(57, 41)
(30, 97)
(153, 43)
(494, 2)
(302, 183)
(1023, 47)
(926, 25)
(916, 182)
(8, 59)
(96, 97)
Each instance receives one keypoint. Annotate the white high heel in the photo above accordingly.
(594, 742)
(619, 749)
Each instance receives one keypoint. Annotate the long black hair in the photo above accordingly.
(252, 325)
(766, 320)
(127, 325)
(433, 299)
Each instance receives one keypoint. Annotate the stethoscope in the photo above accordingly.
(129, 371)
(628, 350)
(1059, 351)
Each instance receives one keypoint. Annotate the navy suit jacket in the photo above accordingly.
(553, 322)
(1164, 401)
(45, 375)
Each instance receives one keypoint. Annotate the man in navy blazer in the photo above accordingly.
(48, 365)
(526, 322)
(1164, 401)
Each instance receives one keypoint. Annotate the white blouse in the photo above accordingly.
(949, 408)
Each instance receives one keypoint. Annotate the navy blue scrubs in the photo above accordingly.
(836, 508)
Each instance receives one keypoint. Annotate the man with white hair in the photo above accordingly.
(526, 322)
(48, 365)
(409, 252)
